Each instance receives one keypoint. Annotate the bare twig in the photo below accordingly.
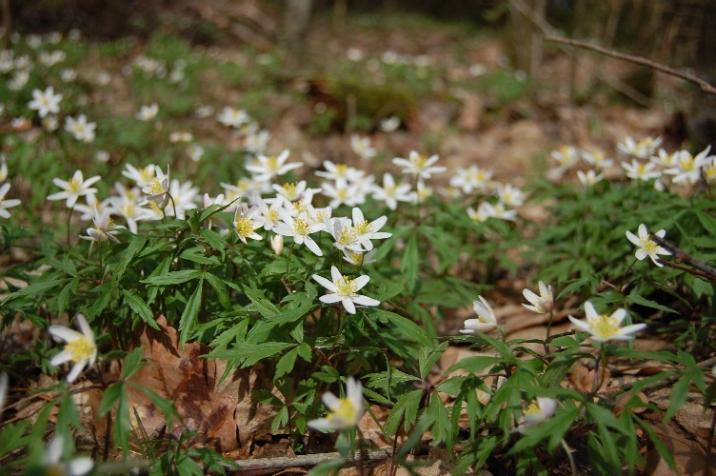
(704, 85)
(703, 269)
(260, 465)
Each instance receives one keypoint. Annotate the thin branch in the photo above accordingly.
(703, 269)
(701, 83)
(262, 465)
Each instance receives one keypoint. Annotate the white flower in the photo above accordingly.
(485, 321)
(537, 412)
(483, 212)
(6, 204)
(3, 168)
(666, 159)
(245, 224)
(68, 75)
(510, 196)
(299, 228)
(74, 188)
(180, 137)
(103, 228)
(641, 170)
(688, 168)
(195, 152)
(589, 178)
(338, 172)
(366, 231)
(52, 465)
(471, 178)
(345, 290)
(141, 176)
(147, 113)
(362, 147)
(277, 244)
(265, 168)
(256, 142)
(345, 413)
(597, 159)
(80, 348)
(127, 208)
(185, 197)
(340, 193)
(50, 123)
(231, 117)
(45, 102)
(642, 149)
(390, 193)
(80, 129)
(604, 327)
(418, 165)
(291, 191)
(646, 246)
(157, 187)
(542, 303)
(566, 157)
(390, 124)
(359, 258)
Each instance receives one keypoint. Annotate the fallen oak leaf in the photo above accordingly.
(225, 412)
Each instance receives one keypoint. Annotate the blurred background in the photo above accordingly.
(437, 65)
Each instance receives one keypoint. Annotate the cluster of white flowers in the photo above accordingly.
(644, 161)
(5, 204)
(500, 200)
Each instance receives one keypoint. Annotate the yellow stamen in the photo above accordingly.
(81, 348)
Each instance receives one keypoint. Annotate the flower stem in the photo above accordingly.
(69, 224)
(549, 331)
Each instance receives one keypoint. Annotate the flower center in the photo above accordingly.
(244, 227)
(155, 187)
(605, 326)
(346, 237)
(345, 287)
(341, 170)
(289, 189)
(649, 246)
(75, 185)
(532, 409)
(300, 226)
(272, 164)
(81, 349)
(362, 227)
(345, 411)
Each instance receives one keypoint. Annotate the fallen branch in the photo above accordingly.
(704, 85)
(700, 268)
(260, 465)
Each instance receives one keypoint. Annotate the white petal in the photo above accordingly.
(61, 358)
(349, 306)
(365, 300)
(360, 282)
(76, 371)
(80, 466)
(580, 324)
(64, 333)
(330, 298)
(324, 282)
(321, 424)
(589, 310)
(619, 315)
(330, 400)
(335, 274)
(86, 329)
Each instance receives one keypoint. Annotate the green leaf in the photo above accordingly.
(249, 354)
(110, 396)
(132, 362)
(134, 247)
(679, 392)
(406, 407)
(285, 364)
(139, 307)
(191, 312)
(409, 266)
(173, 277)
